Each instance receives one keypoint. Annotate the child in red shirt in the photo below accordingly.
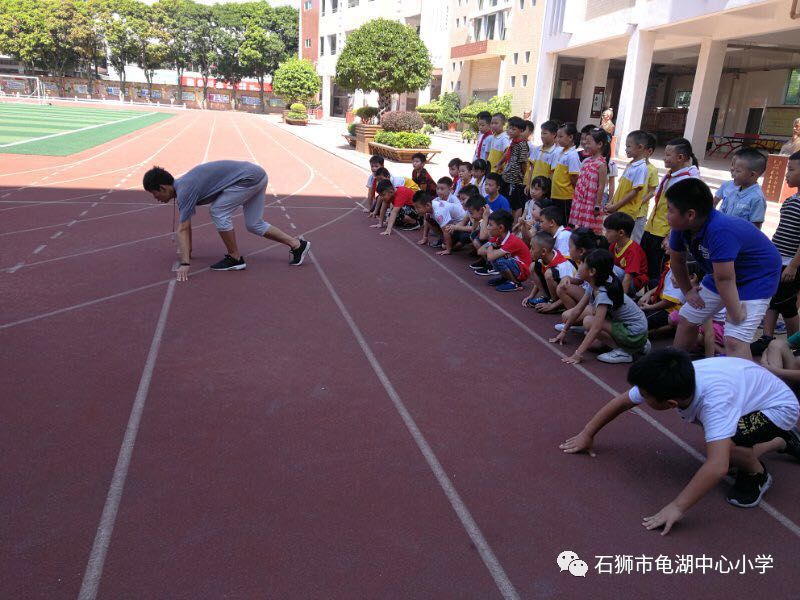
(629, 259)
(509, 256)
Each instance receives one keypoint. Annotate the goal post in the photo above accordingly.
(21, 87)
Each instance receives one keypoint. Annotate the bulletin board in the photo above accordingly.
(777, 120)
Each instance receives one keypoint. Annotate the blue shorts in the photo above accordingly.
(506, 264)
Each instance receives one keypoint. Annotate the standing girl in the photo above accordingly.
(614, 319)
(568, 165)
(587, 200)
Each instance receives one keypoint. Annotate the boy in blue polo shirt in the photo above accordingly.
(742, 196)
(742, 266)
(494, 199)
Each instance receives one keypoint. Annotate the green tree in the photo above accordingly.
(120, 26)
(23, 34)
(91, 40)
(296, 80)
(151, 51)
(177, 19)
(384, 56)
(203, 43)
(230, 20)
(260, 54)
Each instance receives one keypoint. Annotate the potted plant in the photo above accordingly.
(401, 137)
(366, 130)
(297, 115)
(350, 136)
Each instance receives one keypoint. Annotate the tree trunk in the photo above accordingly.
(235, 105)
(180, 85)
(261, 93)
(384, 101)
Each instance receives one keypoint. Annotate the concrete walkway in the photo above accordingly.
(328, 134)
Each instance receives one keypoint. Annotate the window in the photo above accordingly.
(334, 7)
(321, 45)
(458, 85)
(491, 20)
(352, 3)
(513, 81)
(792, 95)
(454, 66)
(308, 43)
(308, 4)
(452, 84)
(683, 99)
(528, 56)
(516, 57)
(332, 44)
(522, 4)
(524, 80)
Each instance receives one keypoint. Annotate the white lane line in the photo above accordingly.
(292, 225)
(83, 214)
(287, 215)
(210, 137)
(116, 186)
(103, 197)
(40, 248)
(71, 131)
(283, 208)
(501, 580)
(6, 195)
(66, 309)
(175, 266)
(16, 267)
(94, 204)
(769, 509)
(71, 223)
(56, 234)
(94, 568)
(119, 214)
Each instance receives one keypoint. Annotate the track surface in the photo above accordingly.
(376, 423)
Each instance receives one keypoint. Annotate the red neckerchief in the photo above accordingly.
(557, 260)
(480, 144)
(507, 156)
(662, 186)
(662, 282)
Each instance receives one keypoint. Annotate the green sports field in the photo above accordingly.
(62, 130)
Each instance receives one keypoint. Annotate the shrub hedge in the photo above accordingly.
(401, 120)
(403, 139)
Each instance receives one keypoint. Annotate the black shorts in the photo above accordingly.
(463, 237)
(516, 196)
(505, 188)
(405, 211)
(656, 319)
(756, 428)
(784, 301)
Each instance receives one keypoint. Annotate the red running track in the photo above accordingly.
(375, 423)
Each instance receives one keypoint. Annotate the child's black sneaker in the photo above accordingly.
(792, 444)
(229, 264)
(478, 264)
(410, 227)
(485, 272)
(749, 488)
(299, 253)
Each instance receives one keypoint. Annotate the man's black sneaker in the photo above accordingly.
(410, 227)
(229, 264)
(758, 347)
(478, 264)
(299, 253)
(792, 444)
(748, 488)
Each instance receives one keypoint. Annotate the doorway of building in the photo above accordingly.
(753, 120)
(340, 101)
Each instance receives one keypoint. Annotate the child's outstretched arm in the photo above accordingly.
(725, 280)
(574, 315)
(707, 477)
(390, 223)
(600, 313)
(425, 229)
(584, 440)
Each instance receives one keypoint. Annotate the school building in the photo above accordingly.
(325, 25)
(494, 50)
(708, 70)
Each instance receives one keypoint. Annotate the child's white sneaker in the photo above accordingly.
(616, 356)
(574, 328)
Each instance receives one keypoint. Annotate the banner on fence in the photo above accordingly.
(218, 84)
(219, 98)
(251, 100)
(81, 88)
(13, 85)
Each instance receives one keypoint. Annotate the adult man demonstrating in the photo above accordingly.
(225, 185)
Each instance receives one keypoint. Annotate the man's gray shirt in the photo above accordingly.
(205, 182)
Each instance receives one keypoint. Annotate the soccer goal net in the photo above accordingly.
(21, 87)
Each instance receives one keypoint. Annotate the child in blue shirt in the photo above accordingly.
(742, 197)
(494, 199)
(742, 266)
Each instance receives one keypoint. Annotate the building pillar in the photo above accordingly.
(327, 90)
(595, 74)
(543, 92)
(501, 77)
(635, 80)
(424, 96)
(704, 93)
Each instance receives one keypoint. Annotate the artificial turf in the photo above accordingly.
(20, 122)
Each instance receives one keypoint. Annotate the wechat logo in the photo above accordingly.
(569, 561)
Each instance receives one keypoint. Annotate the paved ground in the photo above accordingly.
(376, 423)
